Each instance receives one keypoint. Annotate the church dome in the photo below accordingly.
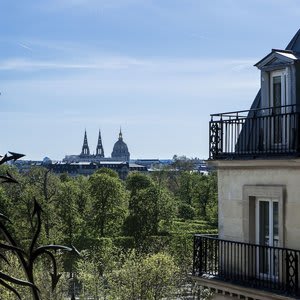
(120, 150)
(47, 161)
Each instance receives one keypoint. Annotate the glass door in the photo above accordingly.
(278, 100)
(267, 235)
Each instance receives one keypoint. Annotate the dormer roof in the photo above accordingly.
(278, 58)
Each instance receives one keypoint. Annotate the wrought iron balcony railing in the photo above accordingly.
(262, 267)
(272, 131)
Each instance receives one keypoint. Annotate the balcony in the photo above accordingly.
(266, 268)
(255, 133)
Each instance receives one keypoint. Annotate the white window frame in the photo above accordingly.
(270, 262)
(252, 192)
(285, 100)
(283, 73)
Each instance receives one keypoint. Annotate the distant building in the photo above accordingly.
(149, 163)
(88, 168)
(80, 168)
(120, 152)
(86, 163)
(198, 165)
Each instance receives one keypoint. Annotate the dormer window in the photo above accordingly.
(277, 78)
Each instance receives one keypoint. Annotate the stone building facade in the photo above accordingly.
(256, 254)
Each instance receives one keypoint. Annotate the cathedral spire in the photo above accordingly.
(85, 147)
(99, 148)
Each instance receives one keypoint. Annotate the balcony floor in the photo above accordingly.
(227, 290)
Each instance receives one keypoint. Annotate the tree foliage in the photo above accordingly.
(147, 277)
(68, 211)
(95, 266)
(106, 218)
(109, 206)
(107, 171)
(149, 205)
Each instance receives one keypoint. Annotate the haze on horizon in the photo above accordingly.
(156, 68)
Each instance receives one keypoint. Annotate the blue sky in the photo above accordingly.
(158, 68)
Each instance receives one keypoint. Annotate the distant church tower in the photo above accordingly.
(85, 147)
(99, 149)
(120, 150)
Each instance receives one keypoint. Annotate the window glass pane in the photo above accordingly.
(264, 222)
(275, 224)
(264, 231)
(277, 92)
(277, 102)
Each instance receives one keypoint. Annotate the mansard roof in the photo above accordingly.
(278, 57)
(294, 44)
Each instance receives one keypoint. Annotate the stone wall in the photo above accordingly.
(239, 183)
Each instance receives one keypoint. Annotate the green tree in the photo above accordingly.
(212, 207)
(183, 163)
(109, 204)
(95, 266)
(26, 227)
(84, 198)
(5, 203)
(17, 204)
(205, 196)
(107, 171)
(41, 275)
(149, 208)
(160, 275)
(149, 277)
(186, 211)
(186, 186)
(68, 211)
(136, 182)
(83, 205)
(43, 185)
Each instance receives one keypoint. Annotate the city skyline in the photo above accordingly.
(156, 68)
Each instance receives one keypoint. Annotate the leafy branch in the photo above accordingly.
(26, 258)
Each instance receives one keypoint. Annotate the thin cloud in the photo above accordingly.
(25, 46)
(20, 64)
(160, 65)
(85, 5)
(199, 36)
(27, 65)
